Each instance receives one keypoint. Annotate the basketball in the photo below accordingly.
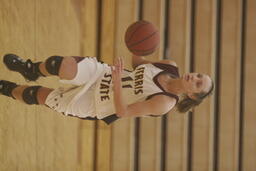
(142, 38)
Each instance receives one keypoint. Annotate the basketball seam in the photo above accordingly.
(142, 40)
(146, 52)
(138, 50)
(136, 31)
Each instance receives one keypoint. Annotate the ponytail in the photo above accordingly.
(188, 103)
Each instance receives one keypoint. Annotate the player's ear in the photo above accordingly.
(192, 96)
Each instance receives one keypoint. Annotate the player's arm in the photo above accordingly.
(138, 60)
(117, 69)
(157, 105)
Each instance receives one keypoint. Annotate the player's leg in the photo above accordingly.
(64, 67)
(24, 93)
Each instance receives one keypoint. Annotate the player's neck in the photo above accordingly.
(171, 85)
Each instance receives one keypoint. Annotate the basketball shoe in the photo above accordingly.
(28, 69)
(6, 87)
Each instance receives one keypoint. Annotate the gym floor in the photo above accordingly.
(36, 138)
(209, 36)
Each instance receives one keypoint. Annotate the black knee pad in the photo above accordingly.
(29, 95)
(52, 64)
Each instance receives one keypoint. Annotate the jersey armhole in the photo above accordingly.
(166, 94)
(174, 70)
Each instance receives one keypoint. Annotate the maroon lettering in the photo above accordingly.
(140, 71)
(137, 83)
(107, 75)
(103, 86)
(139, 91)
(137, 77)
(106, 81)
(105, 92)
(104, 98)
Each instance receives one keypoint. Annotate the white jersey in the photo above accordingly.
(137, 86)
(93, 96)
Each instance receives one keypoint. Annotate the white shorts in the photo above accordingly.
(78, 100)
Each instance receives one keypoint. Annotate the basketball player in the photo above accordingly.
(107, 92)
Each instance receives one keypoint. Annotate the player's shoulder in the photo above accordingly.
(168, 66)
(163, 103)
(163, 99)
(168, 62)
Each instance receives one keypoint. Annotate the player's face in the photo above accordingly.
(196, 82)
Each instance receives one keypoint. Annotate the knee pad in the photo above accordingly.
(29, 95)
(52, 64)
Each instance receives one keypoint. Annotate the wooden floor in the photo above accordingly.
(216, 37)
(35, 138)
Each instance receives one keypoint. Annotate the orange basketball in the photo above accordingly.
(142, 38)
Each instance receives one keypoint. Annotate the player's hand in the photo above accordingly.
(117, 70)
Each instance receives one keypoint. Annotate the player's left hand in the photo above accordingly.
(117, 69)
